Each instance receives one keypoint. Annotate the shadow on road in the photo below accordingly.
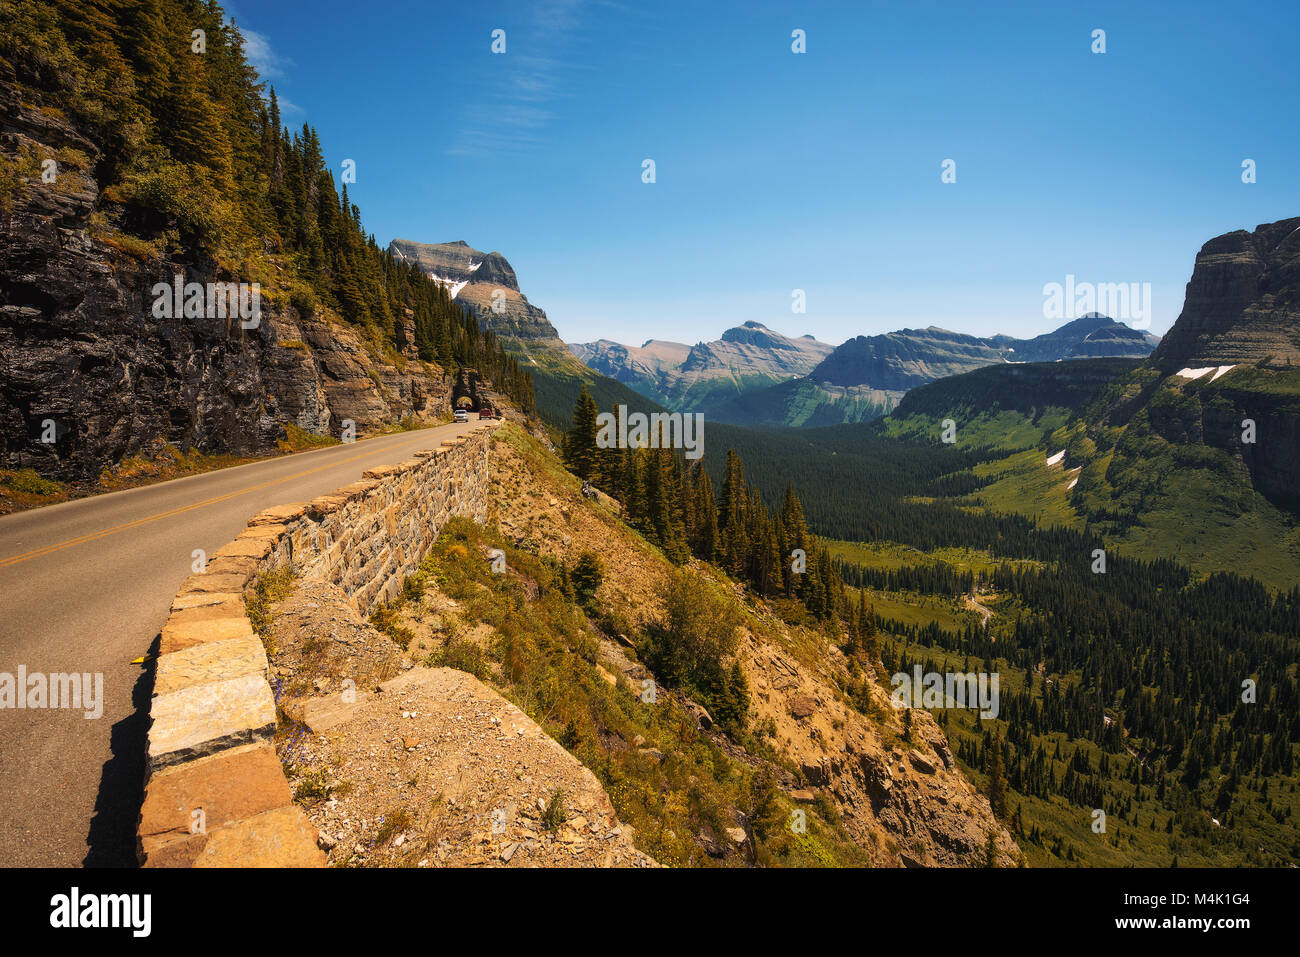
(121, 783)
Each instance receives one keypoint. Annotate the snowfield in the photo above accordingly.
(1198, 373)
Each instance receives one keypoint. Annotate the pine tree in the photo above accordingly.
(580, 444)
(704, 540)
(997, 783)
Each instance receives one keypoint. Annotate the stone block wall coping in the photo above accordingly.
(216, 794)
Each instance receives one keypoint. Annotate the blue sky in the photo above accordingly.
(818, 171)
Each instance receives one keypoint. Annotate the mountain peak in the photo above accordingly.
(478, 279)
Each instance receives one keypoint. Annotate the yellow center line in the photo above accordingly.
(92, 536)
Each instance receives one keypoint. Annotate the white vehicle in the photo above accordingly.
(461, 415)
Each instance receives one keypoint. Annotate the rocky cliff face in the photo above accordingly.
(484, 282)
(81, 347)
(1243, 301)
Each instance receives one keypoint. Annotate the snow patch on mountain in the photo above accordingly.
(1206, 370)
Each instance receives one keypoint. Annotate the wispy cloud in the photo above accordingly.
(269, 64)
(511, 115)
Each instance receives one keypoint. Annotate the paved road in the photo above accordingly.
(85, 586)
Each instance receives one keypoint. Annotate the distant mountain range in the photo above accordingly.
(698, 377)
(754, 376)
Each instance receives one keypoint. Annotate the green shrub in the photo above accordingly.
(395, 822)
(690, 646)
(297, 439)
(178, 193)
(555, 813)
(304, 300)
(384, 618)
(697, 631)
(26, 480)
(270, 587)
(586, 577)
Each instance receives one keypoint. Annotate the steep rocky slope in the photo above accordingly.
(80, 345)
(900, 802)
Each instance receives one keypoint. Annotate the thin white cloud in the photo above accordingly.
(268, 63)
(510, 115)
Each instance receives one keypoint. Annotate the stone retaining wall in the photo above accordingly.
(216, 794)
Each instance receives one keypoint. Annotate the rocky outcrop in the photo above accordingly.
(483, 282)
(80, 345)
(443, 771)
(216, 795)
(1242, 304)
(906, 801)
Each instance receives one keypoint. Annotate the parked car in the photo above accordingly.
(487, 412)
(461, 415)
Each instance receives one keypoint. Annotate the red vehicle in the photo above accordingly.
(487, 412)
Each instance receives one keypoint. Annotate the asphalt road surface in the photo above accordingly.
(85, 586)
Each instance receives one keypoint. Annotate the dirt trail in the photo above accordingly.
(985, 612)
